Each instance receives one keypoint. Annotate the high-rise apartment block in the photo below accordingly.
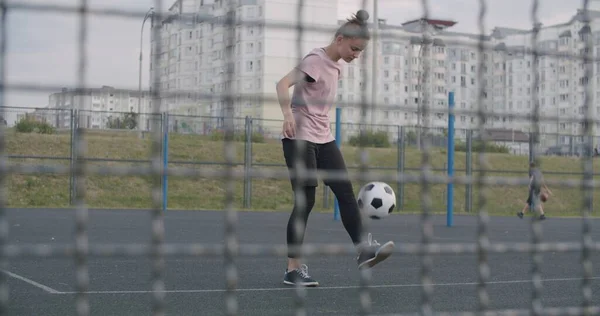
(97, 107)
(418, 63)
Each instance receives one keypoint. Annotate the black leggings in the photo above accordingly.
(319, 157)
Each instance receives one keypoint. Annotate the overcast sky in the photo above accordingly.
(42, 47)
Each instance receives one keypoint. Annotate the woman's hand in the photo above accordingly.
(289, 126)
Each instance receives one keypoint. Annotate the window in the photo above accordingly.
(251, 12)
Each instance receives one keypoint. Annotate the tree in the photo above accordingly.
(411, 137)
(130, 120)
(127, 121)
(113, 123)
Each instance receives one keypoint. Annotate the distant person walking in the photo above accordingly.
(536, 184)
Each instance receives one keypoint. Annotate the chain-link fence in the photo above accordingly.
(231, 154)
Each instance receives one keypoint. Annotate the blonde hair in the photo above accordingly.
(356, 26)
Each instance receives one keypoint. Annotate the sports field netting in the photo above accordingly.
(423, 246)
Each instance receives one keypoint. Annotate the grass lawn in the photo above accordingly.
(267, 194)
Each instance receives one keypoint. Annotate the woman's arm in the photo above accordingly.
(283, 90)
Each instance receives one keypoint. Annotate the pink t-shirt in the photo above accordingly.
(312, 101)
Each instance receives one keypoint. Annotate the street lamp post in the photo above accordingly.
(419, 96)
(423, 95)
(148, 15)
(375, 66)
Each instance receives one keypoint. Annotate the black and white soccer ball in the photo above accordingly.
(376, 200)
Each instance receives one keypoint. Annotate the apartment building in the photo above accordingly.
(97, 106)
(562, 79)
(194, 46)
(414, 77)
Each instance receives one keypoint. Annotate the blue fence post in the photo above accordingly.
(73, 113)
(338, 142)
(450, 150)
(248, 162)
(165, 160)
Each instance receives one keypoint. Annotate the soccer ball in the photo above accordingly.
(376, 200)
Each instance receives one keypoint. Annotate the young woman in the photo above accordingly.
(307, 127)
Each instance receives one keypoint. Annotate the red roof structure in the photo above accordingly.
(437, 24)
(446, 23)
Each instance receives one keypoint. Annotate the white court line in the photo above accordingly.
(29, 281)
(329, 287)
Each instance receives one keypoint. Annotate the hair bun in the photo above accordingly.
(362, 15)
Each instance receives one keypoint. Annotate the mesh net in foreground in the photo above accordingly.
(232, 249)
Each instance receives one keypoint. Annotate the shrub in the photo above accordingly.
(45, 128)
(370, 139)
(28, 125)
(477, 146)
(219, 135)
(25, 126)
